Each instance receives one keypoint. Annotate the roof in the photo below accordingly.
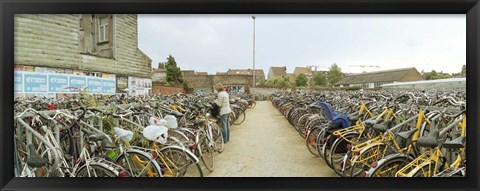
(258, 72)
(303, 70)
(279, 71)
(202, 73)
(160, 70)
(377, 76)
(221, 73)
(448, 80)
(291, 78)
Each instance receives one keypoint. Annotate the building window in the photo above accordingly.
(103, 31)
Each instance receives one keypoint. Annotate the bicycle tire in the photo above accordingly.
(361, 167)
(240, 119)
(151, 170)
(338, 152)
(185, 163)
(206, 155)
(311, 141)
(218, 137)
(392, 165)
(82, 171)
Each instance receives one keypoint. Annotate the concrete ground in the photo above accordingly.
(266, 145)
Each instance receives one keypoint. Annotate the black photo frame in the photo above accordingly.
(10, 7)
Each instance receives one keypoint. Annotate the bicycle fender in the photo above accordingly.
(369, 173)
(184, 150)
(148, 155)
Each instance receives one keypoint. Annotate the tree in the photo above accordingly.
(334, 74)
(320, 79)
(433, 75)
(301, 80)
(174, 74)
(161, 64)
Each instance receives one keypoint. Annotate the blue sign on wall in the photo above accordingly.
(35, 83)
(38, 83)
(18, 82)
(57, 83)
(78, 82)
(95, 85)
(109, 86)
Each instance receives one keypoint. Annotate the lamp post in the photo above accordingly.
(253, 17)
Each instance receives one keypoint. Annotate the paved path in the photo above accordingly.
(266, 145)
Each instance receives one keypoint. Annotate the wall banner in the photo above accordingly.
(43, 83)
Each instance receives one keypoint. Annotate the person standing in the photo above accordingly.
(223, 101)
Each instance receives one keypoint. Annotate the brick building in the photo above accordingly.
(100, 45)
(200, 81)
(259, 75)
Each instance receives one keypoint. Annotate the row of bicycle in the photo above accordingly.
(377, 134)
(174, 136)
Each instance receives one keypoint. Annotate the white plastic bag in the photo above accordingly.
(156, 133)
(171, 121)
(157, 121)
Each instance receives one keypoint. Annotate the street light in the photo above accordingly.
(253, 17)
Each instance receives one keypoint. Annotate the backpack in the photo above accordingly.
(215, 110)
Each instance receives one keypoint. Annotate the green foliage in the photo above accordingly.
(334, 74)
(174, 74)
(320, 79)
(161, 64)
(301, 80)
(433, 75)
(353, 88)
(277, 82)
(87, 100)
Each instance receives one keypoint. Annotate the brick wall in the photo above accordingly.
(166, 90)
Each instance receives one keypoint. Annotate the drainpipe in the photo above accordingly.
(114, 28)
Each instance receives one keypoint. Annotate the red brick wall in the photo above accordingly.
(166, 90)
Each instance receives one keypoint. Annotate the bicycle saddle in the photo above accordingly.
(34, 160)
(96, 137)
(407, 134)
(371, 122)
(382, 127)
(123, 134)
(431, 140)
(457, 143)
(353, 117)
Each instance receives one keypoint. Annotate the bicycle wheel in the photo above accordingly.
(181, 163)
(340, 148)
(366, 160)
(311, 140)
(94, 170)
(217, 136)
(389, 168)
(207, 155)
(240, 118)
(139, 165)
(252, 104)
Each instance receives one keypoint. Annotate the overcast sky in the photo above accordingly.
(211, 43)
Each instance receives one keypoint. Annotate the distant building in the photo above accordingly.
(159, 75)
(202, 82)
(464, 70)
(292, 78)
(378, 78)
(259, 75)
(304, 70)
(277, 72)
(449, 83)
